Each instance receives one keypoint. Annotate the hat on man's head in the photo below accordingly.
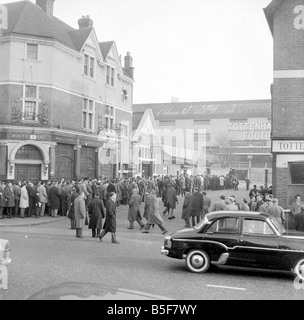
(223, 197)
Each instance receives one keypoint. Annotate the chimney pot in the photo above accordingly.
(85, 22)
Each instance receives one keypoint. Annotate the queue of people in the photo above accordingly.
(87, 202)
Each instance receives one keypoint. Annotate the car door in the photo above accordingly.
(226, 230)
(259, 243)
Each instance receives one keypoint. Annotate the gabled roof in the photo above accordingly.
(145, 125)
(27, 19)
(105, 48)
(79, 37)
(269, 11)
(240, 109)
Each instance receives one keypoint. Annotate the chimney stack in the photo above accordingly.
(47, 6)
(129, 65)
(85, 22)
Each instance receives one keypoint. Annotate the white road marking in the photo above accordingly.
(224, 287)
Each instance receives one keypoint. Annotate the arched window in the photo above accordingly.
(29, 152)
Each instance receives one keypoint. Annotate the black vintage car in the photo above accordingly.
(243, 239)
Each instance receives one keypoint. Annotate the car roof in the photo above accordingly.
(236, 214)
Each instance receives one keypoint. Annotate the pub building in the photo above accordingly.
(286, 23)
(65, 98)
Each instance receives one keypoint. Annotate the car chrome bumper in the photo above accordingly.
(164, 251)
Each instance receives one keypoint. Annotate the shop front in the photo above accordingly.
(289, 169)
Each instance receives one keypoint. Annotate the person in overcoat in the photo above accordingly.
(119, 192)
(125, 195)
(152, 212)
(110, 223)
(134, 213)
(206, 204)
(299, 220)
(2, 200)
(80, 214)
(171, 199)
(43, 197)
(54, 199)
(24, 200)
(32, 198)
(17, 194)
(111, 188)
(187, 208)
(10, 199)
(71, 208)
(197, 206)
(97, 213)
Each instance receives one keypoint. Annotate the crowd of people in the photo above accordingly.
(89, 201)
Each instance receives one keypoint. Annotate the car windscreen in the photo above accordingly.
(202, 223)
(279, 227)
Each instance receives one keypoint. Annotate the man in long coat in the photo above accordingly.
(152, 213)
(97, 213)
(171, 199)
(17, 194)
(80, 214)
(54, 199)
(10, 199)
(71, 207)
(2, 200)
(187, 208)
(134, 213)
(110, 223)
(206, 204)
(299, 220)
(24, 200)
(32, 198)
(197, 206)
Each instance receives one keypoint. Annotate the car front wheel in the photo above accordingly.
(299, 269)
(198, 261)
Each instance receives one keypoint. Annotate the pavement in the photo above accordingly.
(18, 222)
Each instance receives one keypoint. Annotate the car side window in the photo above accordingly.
(225, 225)
(258, 227)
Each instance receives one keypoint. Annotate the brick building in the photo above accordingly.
(65, 98)
(286, 22)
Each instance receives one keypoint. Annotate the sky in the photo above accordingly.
(192, 50)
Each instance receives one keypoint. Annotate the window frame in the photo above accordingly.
(28, 45)
(88, 114)
(110, 117)
(26, 99)
(257, 234)
(110, 76)
(89, 66)
(217, 222)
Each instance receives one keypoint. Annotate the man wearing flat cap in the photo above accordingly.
(219, 205)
